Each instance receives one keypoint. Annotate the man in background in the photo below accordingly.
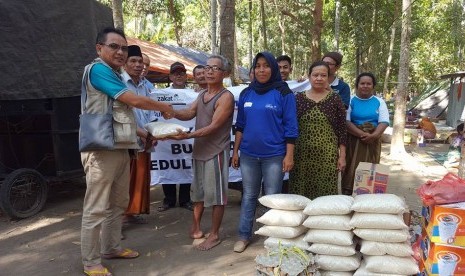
(179, 78)
(199, 78)
(285, 67)
(145, 71)
(334, 61)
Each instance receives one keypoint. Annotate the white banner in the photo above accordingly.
(172, 160)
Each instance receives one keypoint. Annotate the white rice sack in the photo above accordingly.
(334, 222)
(379, 203)
(284, 201)
(335, 273)
(284, 232)
(299, 242)
(377, 221)
(332, 249)
(337, 237)
(362, 271)
(391, 264)
(164, 129)
(399, 249)
(330, 205)
(383, 235)
(282, 218)
(337, 263)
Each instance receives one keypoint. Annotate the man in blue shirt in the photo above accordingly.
(107, 171)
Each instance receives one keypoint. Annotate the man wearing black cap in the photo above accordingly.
(178, 75)
(179, 78)
(334, 61)
(139, 188)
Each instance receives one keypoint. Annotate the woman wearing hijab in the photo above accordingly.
(266, 130)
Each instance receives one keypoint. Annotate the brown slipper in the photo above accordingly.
(123, 254)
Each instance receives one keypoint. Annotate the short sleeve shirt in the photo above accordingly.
(372, 110)
(104, 79)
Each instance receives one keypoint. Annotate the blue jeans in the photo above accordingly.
(253, 170)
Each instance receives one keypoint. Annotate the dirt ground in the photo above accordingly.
(49, 243)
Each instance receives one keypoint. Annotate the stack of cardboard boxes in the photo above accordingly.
(443, 240)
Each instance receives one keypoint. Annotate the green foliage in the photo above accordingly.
(437, 40)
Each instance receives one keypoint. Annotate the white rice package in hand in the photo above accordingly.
(379, 203)
(330, 205)
(338, 237)
(391, 264)
(335, 273)
(399, 249)
(164, 130)
(362, 271)
(284, 201)
(333, 222)
(282, 217)
(299, 242)
(284, 232)
(383, 235)
(337, 263)
(332, 249)
(377, 221)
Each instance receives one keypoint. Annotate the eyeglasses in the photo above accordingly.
(116, 47)
(214, 68)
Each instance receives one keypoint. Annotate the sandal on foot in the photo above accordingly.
(123, 254)
(164, 207)
(98, 272)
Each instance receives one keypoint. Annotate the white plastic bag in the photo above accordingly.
(282, 218)
(338, 237)
(377, 221)
(330, 205)
(362, 271)
(284, 201)
(334, 222)
(337, 263)
(297, 242)
(379, 203)
(164, 129)
(391, 264)
(382, 235)
(399, 249)
(284, 232)
(332, 249)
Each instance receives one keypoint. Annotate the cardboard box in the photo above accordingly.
(445, 224)
(371, 178)
(442, 260)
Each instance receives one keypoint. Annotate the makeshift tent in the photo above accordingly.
(456, 96)
(46, 44)
(433, 102)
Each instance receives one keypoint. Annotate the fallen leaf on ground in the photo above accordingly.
(76, 243)
(171, 235)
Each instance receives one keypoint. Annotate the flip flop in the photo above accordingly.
(123, 254)
(95, 272)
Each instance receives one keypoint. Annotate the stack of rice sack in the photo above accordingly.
(283, 222)
(378, 222)
(330, 234)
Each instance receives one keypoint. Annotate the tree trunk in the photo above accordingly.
(316, 30)
(175, 17)
(337, 20)
(117, 7)
(397, 142)
(250, 35)
(227, 32)
(391, 51)
(214, 16)
(262, 14)
(461, 172)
